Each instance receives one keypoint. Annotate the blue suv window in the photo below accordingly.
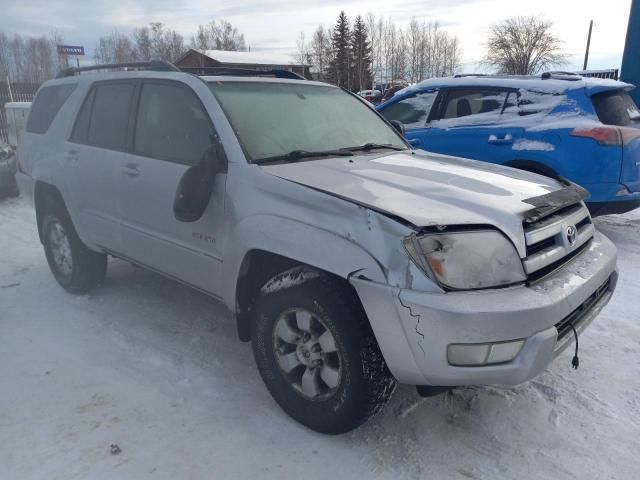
(467, 102)
(616, 108)
(412, 111)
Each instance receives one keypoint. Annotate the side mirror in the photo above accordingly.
(399, 126)
(196, 185)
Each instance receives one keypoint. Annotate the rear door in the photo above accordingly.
(98, 137)
(413, 112)
(471, 123)
(171, 132)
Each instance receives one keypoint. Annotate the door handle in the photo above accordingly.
(130, 170)
(494, 140)
(414, 141)
(71, 156)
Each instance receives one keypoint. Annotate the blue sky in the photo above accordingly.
(275, 25)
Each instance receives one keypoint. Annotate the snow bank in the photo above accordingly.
(154, 367)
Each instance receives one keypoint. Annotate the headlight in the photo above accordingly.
(466, 260)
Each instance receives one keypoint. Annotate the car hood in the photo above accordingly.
(425, 189)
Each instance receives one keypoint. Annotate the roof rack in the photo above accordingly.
(163, 66)
(463, 75)
(154, 65)
(494, 75)
(241, 72)
(561, 75)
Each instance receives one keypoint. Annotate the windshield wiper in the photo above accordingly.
(295, 155)
(375, 146)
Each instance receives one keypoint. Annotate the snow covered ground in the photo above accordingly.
(156, 368)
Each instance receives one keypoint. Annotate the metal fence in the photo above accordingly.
(14, 92)
(611, 73)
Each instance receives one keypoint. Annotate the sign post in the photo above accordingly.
(71, 50)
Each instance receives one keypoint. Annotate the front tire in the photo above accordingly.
(76, 268)
(316, 352)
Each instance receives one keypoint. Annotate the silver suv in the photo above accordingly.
(351, 261)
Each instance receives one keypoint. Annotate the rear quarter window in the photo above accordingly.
(616, 108)
(46, 106)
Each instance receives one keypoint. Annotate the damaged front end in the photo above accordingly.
(495, 316)
(550, 203)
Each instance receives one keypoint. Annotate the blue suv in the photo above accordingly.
(584, 129)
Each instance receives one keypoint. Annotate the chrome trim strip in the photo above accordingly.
(539, 234)
(553, 254)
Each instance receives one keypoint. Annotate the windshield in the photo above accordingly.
(273, 119)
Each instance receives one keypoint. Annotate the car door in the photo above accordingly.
(171, 132)
(413, 112)
(476, 123)
(99, 135)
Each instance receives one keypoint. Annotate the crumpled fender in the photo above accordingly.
(302, 242)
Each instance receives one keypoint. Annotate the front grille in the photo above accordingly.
(575, 317)
(548, 245)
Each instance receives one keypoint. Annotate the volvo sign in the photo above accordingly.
(71, 50)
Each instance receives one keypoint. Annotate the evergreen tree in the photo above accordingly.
(340, 66)
(362, 78)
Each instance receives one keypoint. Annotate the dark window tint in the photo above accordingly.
(46, 105)
(172, 124)
(616, 108)
(110, 115)
(467, 102)
(81, 128)
(411, 111)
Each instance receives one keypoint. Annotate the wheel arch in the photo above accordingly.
(45, 194)
(533, 166)
(256, 269)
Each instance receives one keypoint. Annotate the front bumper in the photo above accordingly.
(414, 328)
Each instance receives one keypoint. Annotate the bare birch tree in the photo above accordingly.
(115, 48)
(218, 35)
(321, 53)
(523, 46)
(28, 59)
(303, 50)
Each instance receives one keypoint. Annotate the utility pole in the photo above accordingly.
(586, 54)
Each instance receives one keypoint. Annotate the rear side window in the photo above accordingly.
(110, 115)
(467, 102)
(172, 124)
(616, 108)
(412, 111)
(531, 102)
(81, 128)
(46, 106)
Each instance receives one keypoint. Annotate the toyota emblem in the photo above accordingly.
(572, 235)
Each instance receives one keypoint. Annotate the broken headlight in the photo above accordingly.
(466, 260)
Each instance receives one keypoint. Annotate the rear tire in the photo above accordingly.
(338, 382)
(76, 268)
